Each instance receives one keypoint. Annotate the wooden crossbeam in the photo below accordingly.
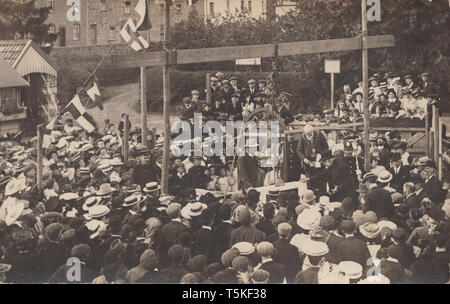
(159, 58)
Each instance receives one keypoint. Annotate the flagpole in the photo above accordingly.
(39, 157)
(365, 77)
(166, 89)
(144, 106)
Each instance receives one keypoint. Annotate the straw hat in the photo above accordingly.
(315, 248)
(133, 200)
(193, 209)
(384, 176)
(370, 230)
(351, 269)
(151, 187)
(308, 219)
(245, 248)
(105, 189)
(68, 196)
(98, 211)
(90, 202)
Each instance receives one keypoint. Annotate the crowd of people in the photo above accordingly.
(389, 97)
(389, 224)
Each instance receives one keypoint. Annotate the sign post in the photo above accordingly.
(332, 67)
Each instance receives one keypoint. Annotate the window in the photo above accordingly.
(103, 5)
(52, 5)
(93, 34)
(128, 7)
(112, 33)
(242, 5)
(76, 32)
(161, 9)
(211, 8)
(161, 31)
(52, 29)
(178, 6)
(249, 6)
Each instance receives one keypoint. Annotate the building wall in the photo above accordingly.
(101, 20)
(217, 8)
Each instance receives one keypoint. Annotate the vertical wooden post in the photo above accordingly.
(144, 106)
(126, 138)
(166, 89)
(437, 137)
(208, 88)
(365, 78)
(427, 134)
(39, 157)
(332, 90)
(285, 168)
(439, 164)
(153, 137)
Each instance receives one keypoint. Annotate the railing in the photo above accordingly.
(21, 114)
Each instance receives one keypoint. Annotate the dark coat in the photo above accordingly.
(24, 267)
(393, 271)
(174, 273)
(246, 234)
(204, 242)
(247, 171)
(308, 276)
(153, 277)
(275, 270)
(398, 179)
(433, 189)
(143, 174)
(294, 168)
(196, 177)
(352, 249)
(379, 200)
(412, 201)
(266, 226)
(288, 256)
(305, 147)
(222, 236)
(339, 175)
(406, 254)
(234, 112)
(51, 257)
(285, 114)
(171, 230)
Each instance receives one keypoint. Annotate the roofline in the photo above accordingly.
(37, 49)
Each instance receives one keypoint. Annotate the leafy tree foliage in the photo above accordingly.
(24, 21)
(421, 29)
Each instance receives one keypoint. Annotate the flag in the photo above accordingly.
(131, 36)
(141, 10)
(94, 94)
(47, 134)
(79, 114)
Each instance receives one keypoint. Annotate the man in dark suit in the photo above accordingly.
(223, 229)
(283, 112)
(178, 179)
(432, 187)
(400, 174)
(250, 92)
(246, 233)
(287, 254)
(172, 229)
(234, 109)
(196, 177)
(339, 177)
(391, 268)
(378, 199)
(276, 270)
(411, 199)
(265, 225)
(351, 248)
(204, 240)
(82, 252)
(144, 172)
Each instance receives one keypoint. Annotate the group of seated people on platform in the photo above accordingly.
(388, 97)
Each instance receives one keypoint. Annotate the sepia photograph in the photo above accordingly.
(224, 147)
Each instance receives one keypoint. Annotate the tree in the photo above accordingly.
(25, 21)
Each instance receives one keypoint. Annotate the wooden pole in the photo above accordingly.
(427, 134)
(208, 88)
(365, 78)
(126, 138)
(332, 90)
(440, 149)
(144, 106)
(437, 137)
(153, 137)
(166, 89)
(39, 158)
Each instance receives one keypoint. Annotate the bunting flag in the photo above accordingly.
(132, 37)
(141, 10)
(47, 134)
(79, 114)
(94, 94)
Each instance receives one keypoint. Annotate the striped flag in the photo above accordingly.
(47, 133)
(132, 37)
(79, 114)
(141, 10)
(94, 94)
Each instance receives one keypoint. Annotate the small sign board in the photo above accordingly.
(332, 66)
(248, 61)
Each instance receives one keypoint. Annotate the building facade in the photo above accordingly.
(98, 22)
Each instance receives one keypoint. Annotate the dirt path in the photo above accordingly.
(124, 101)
